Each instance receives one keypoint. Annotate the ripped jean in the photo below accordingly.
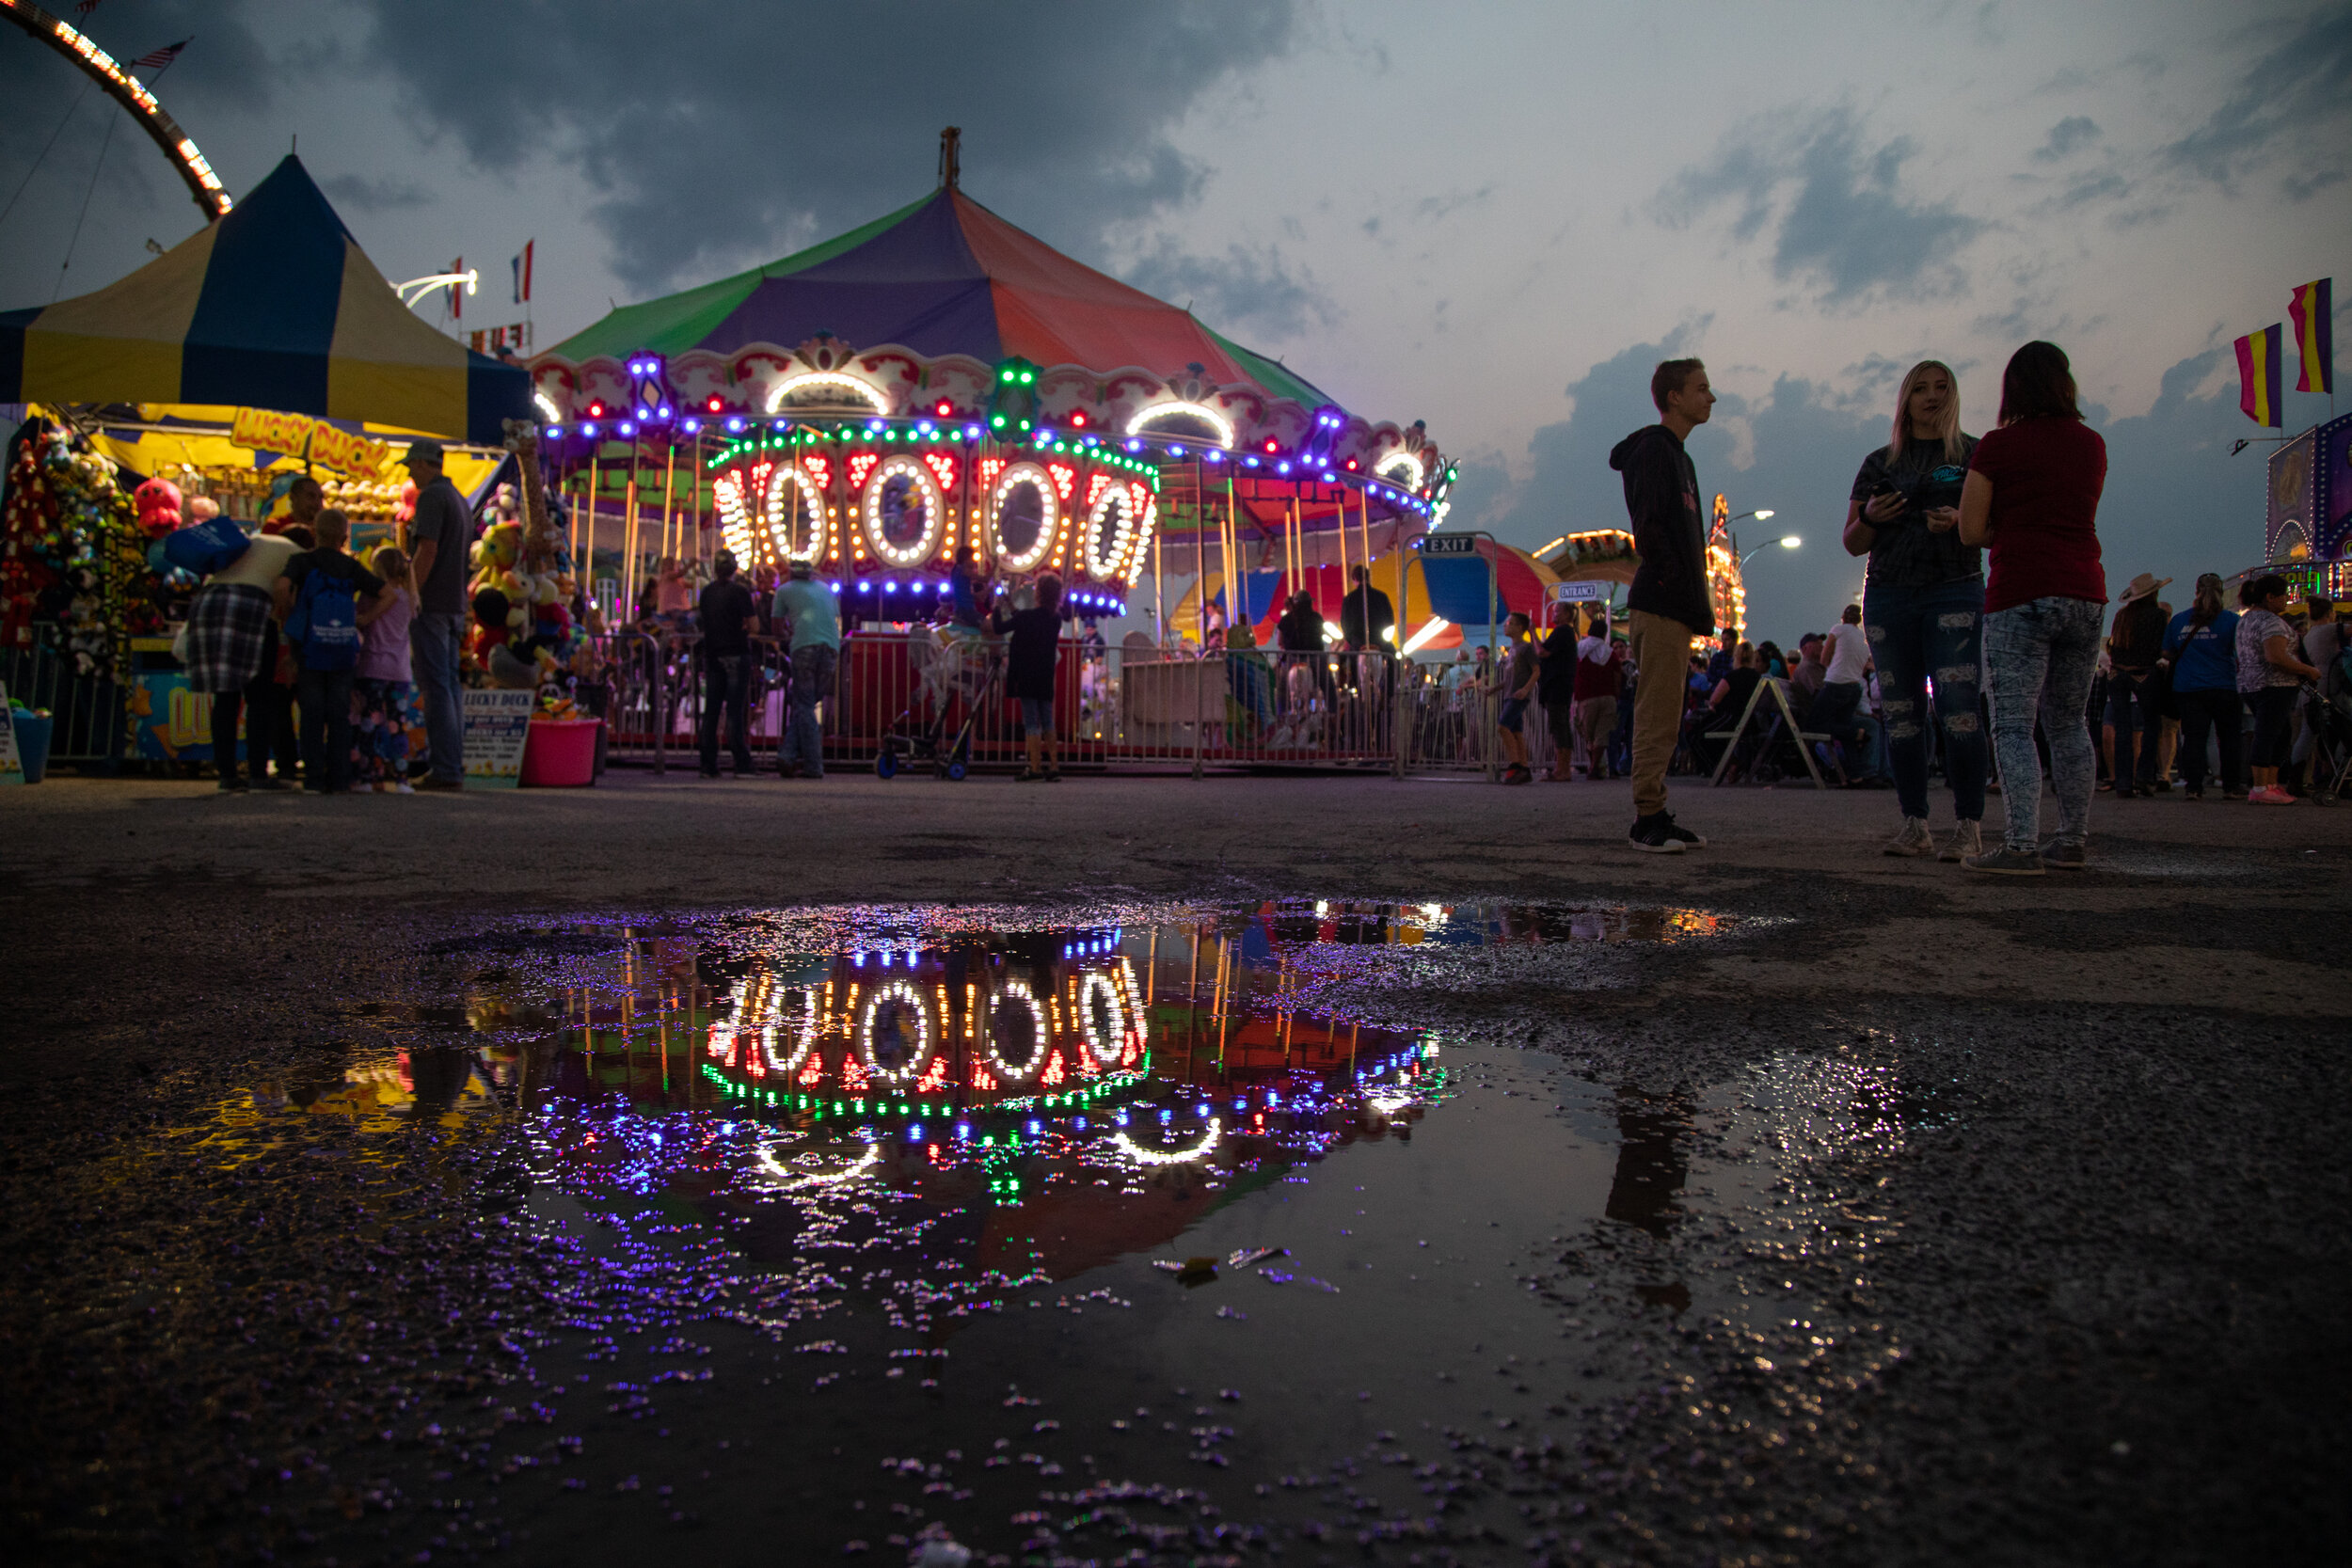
(2043, 655)
(1915, 634)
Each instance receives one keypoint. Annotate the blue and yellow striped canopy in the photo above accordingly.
(273, 307)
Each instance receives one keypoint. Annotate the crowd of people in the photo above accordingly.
(316, 653)
(1981, 648)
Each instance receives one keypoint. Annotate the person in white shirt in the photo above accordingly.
(1836, 709)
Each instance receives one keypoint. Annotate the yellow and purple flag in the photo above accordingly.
(2258, 375)
(2314, 338)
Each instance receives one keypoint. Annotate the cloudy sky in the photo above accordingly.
(1493, 216)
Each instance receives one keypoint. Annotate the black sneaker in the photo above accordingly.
(1655, 834)
(230, 784)
(1684, 835)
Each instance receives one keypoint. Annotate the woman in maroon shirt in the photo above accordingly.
(2032, 498)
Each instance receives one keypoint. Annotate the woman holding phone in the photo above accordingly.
(1923, 607)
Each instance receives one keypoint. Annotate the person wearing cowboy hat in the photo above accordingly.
(2135, 647)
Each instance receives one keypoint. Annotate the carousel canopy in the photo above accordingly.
(942, 276)
(273, 307)
(942, 311)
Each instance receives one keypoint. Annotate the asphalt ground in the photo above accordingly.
(2072, 1293)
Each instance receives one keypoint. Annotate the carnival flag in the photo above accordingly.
(2314, 338)
(2258, 375)
(522, 274)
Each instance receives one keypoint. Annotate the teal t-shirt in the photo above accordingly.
(812, 609)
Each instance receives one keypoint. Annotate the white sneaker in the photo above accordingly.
(1914, 841)
(1967, 839)
(404, 787)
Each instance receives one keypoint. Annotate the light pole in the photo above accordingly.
(1786, 541)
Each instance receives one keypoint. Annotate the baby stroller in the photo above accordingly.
(961, 665)
(2331, 720)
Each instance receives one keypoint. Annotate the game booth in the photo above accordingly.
(264, 347)
(940, 382)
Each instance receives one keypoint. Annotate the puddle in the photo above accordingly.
(978, 1206)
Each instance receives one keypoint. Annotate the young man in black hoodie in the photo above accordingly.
(1670, 601)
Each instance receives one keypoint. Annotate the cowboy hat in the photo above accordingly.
(2142, 586)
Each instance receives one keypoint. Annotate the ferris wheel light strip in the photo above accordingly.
(791, 384)
(1146, 417)
(934, 506)
(127, 90)
(1105, 1044)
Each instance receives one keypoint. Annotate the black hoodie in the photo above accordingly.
(1661, 495)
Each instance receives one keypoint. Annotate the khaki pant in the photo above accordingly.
(1662, 651)
(1594, 719)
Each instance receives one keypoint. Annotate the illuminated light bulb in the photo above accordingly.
(555, 430)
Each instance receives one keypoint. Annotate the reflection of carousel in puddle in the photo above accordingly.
(1089, 1089)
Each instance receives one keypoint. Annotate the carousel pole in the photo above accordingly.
(669, 500)
(589, 552)
(1396, 667)
(628, 528)
(1159, 601)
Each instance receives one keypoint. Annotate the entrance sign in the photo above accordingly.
(1562, 593)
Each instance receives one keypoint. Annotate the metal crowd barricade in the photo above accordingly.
(927, 696)
(86, 710)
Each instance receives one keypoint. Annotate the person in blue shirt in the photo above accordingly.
(2200, 647)
(814, 614)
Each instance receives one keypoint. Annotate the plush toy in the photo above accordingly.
(159, 507)
(407, 507)
(201, 509)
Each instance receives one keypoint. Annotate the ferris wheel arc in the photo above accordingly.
(109, 74)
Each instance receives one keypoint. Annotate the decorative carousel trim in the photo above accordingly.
(935, 511)
(1049, 517)
(790, 384)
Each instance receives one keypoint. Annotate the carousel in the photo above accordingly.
(937, 383)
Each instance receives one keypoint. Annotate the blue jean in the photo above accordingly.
(812, 682)
(2042, 655)
(1917, 634)
(433, 654)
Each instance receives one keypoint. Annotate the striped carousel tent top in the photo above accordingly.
(274, 306)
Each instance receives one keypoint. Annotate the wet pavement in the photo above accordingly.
(1150, 1229)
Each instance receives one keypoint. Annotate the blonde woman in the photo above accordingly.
(1923, 607)
(379, 730)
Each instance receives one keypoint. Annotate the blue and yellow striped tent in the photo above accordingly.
(273, 307)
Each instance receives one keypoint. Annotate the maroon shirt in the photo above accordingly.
(2046, 476)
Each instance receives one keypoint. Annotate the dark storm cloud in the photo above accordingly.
(1835, 206)
(2067, 135)
(2288, 94)
(1248, 293)
(718, 130)
(374, 196)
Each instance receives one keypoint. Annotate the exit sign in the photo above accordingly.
(1450, 543)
